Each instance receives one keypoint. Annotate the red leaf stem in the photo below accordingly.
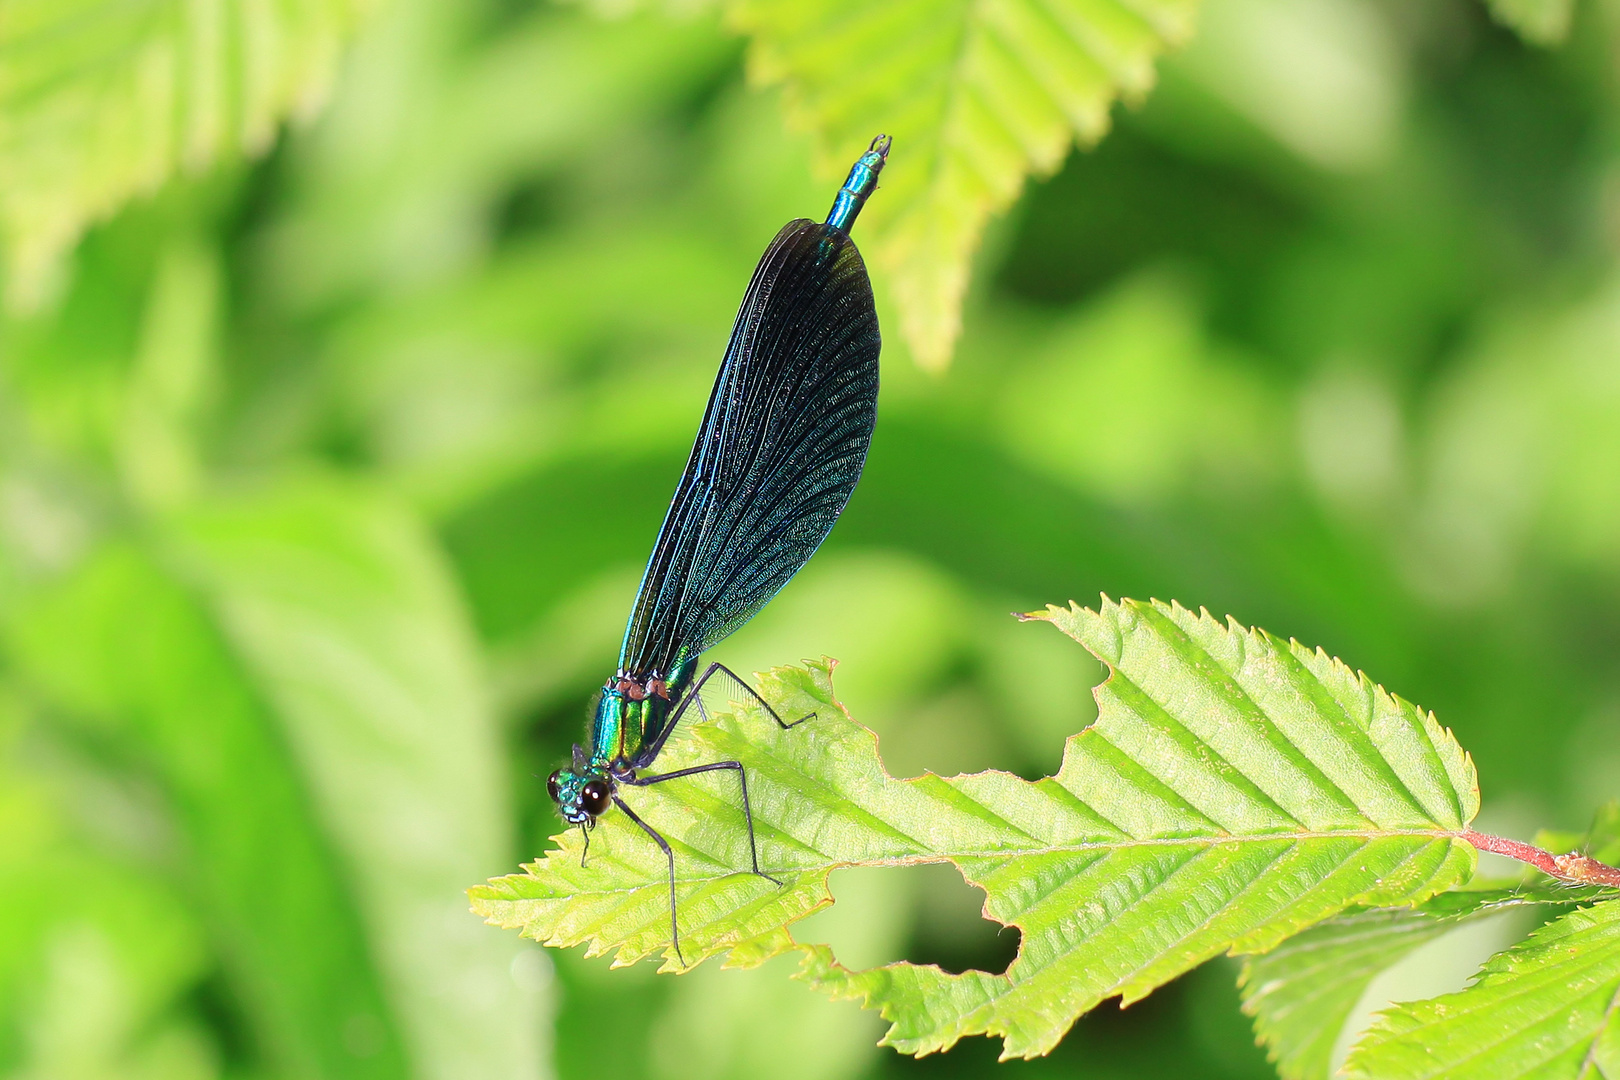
(1571, 867)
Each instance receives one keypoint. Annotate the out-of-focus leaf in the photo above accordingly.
(1162, 409)
(172, 376)
(1522, 458)
(416, 197)
(1302, 992)
(339, 623)
(137, 660)
(1545, 1008)
(1233, 790)
(741, 1025)
(457, 386)
(343, 612)
(92, 981)
(897, 624)
(91, 1016)
(1603, 839)
(1600, 842)
(1321, 78)
(100, 101)
(978, 96)
(1543, 22)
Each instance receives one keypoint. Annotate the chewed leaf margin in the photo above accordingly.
(1234, 790)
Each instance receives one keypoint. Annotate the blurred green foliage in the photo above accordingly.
(326, 478)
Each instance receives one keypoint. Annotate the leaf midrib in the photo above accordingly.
(1373, 834)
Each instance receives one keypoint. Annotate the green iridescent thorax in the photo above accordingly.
(634, 713)
(628, 718)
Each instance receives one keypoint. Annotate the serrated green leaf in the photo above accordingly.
(1542, 22)
(1302, 992)
(1546, 1008)
(1234, 789)
(978, 94)
(101, 101)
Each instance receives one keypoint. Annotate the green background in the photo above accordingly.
(326, 480)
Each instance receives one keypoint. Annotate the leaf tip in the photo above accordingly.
(1050, 613)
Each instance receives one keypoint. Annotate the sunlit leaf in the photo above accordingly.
(1234, 790)
(100, 101)
(978, 94)
(1545, 1008)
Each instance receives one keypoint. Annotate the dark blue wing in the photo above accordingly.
(781, 447)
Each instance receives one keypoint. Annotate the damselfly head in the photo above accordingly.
(581, 796)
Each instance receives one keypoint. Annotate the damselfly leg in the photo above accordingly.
(694, 695)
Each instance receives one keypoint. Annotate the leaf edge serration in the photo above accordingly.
(930, 1009)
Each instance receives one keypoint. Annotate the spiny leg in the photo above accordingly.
(748, 812)
(669, 853)
(721, 669)
(695, 695)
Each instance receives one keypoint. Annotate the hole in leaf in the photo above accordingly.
(922, 914)
(950, 732)
(951, 929)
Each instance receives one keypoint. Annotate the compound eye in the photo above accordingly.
(594, 798)
(551, 786)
